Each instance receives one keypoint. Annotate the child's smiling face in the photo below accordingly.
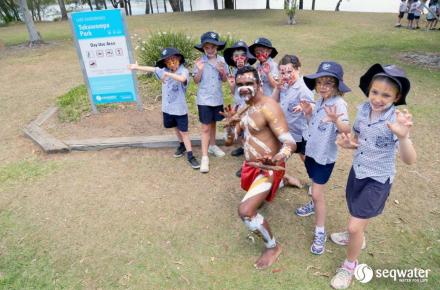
(210, 50)
(262, 53)
(382, 95)
(326, 87)
(172, 63)
(288, 73)
(239, 57)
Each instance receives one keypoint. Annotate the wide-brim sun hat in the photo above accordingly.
(328, 69)
(239, 45)
(391, 71)
(210, 37)
(166, 53)
(261, 41)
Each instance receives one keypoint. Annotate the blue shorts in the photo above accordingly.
(171, 121)
(320, 174)
(410, 16)
(366, 197)
(301, 147)
(210, 114)
(401, 14)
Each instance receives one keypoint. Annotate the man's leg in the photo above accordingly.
(256, 223)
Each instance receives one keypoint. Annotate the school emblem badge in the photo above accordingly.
(257, 41)
(164, 52)
(213, 35)
(326, 66)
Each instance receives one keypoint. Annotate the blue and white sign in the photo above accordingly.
(104, 54)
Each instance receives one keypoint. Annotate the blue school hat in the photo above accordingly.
(166, 53)
(261, 41)
(391, 71)
(328, 69)
(239, 45)
(210, 37)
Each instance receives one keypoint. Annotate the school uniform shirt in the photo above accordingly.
(431, 15)
(210, 92)
(267, 88)
(419, 8)
(173, 92)
(320, 135)
(413, 8)
(290, 97)
(403, 7)
(375, 157)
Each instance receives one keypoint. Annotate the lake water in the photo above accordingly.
(138, 6)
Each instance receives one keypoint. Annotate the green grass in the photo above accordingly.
(25, 171)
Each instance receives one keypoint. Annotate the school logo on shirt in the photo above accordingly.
(384, 141)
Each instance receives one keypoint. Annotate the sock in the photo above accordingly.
(349, 265)
(319, 230)
(189, 154)
(181, 145)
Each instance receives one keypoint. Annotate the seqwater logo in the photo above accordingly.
(364, 274)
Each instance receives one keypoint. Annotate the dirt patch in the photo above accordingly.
(425, 59)
(122, 121)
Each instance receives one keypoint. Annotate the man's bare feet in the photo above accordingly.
(292, 181)
(268, 257)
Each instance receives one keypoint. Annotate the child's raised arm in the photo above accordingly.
(401, 129)
(180, 78)
(136, 66)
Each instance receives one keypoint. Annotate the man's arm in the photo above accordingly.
(277, 122)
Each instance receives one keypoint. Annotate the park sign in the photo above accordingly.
(105, 52)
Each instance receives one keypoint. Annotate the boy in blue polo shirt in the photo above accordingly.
(379, 131)
(175, 77)
(267, 68)
(209, 72)
(326, 120)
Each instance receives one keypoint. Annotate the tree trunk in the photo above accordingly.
(313, 5)
(62, 9)
(165, 6)
(267, 4)
(229, 4)
(191, 5)
(128, 4)
(301, 4)
(89, 2)
(97, 5)
(337, 5)
(215, 5)
(105, 4)
(151, 7)
(182, 9)
(34, 36)
(147, 7)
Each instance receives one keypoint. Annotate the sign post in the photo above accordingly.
(104, 52)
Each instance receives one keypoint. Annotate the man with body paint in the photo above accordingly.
(267, 146)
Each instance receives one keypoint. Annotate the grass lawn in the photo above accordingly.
(139, 219)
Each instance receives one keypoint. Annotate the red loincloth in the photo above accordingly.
(249, 173)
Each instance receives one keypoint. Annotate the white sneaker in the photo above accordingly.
(204, 167)
(342, 239)
(216, 151)
(342, 279)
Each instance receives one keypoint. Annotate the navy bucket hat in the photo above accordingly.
(328, 69)
(239, 45)
(166, 53)
(261, 41)
(391, 71)
(210, 37)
